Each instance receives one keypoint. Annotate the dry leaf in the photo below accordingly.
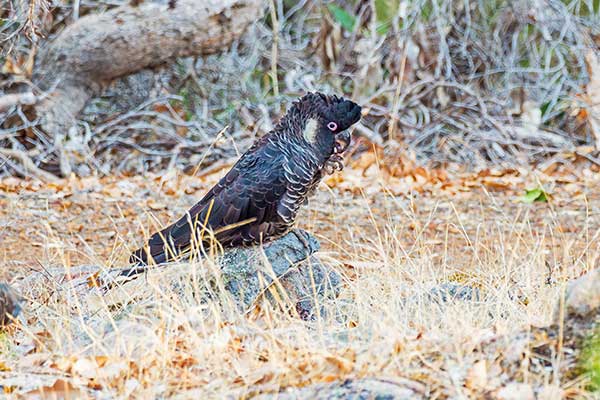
(156, 205)
(33, 360)
(12, 68)
(344, 365)
(477, 376)
(114, 370)
(85, 368)
(61, 389)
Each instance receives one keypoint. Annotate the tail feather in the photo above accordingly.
(154, 249)
(143, 255)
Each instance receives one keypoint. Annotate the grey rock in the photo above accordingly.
(451, 291)
(10, 304)
(247, 271)
(309, 286)
(125, 93)
(583, 296)
(287, 266)
(360, 389)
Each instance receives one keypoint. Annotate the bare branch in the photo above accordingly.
(99, 48)
(28, 165)
(14, 99)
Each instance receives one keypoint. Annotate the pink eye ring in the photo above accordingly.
(332, 126)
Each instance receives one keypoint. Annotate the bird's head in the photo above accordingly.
(319, 118)
(336, 113)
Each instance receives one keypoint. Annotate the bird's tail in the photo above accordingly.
(156, 249)
(143, 255)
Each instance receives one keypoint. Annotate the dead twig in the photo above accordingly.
(15, 99)
(29, 166)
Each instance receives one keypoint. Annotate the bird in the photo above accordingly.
(259, 198)
(10, 304)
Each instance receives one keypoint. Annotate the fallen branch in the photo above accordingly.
(96, 49)
(15, 99)
(29, 167)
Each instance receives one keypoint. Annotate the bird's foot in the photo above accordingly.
(335, 163)
(302, 239)
(342, 142)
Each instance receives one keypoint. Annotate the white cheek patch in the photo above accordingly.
(310, 130)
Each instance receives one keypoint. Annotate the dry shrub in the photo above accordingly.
(472, 82)
(392, 251)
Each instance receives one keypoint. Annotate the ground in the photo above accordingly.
(393, 232)
(485, 84)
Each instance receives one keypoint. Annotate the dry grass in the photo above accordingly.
(495, 80)
(391, 251)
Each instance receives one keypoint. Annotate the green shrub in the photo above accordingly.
(589, 361)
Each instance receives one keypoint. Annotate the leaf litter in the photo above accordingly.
(393, 229)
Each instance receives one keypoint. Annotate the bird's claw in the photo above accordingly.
(335, 163)
(342, 142)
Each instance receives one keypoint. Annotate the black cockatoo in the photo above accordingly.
(259, 198)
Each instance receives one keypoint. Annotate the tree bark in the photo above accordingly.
(99, 48)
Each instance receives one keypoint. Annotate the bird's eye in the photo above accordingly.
(332, 126)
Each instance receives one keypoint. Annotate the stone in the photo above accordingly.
(10, 304)
(308, 286)
(357, 389)
(515, 391)
(247, 272)
(451, 291)
(583, 295)
(284, 268)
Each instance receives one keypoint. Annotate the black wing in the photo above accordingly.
(248, 196)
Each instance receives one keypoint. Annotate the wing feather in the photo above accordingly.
(252, 189)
